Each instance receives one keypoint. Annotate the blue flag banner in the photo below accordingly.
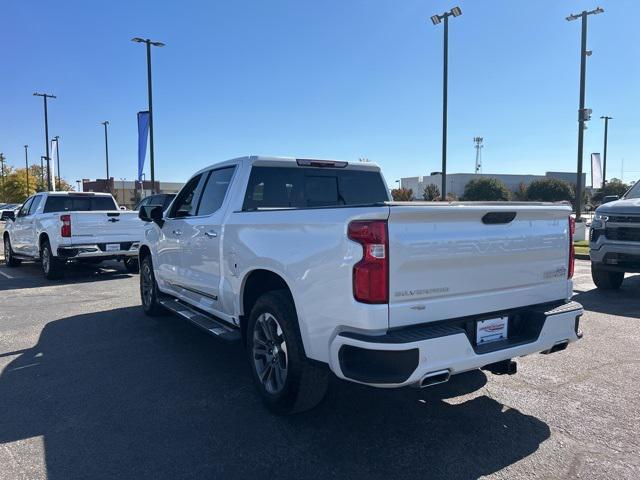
(143, 133)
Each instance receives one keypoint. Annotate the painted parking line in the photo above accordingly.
(6, 275)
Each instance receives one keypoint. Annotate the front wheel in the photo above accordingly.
(606, 279)
(131, 264)
(287, 380)
(149, 293)
(9, 259)
(51, 266)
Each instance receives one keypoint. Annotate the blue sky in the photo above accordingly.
(332, 78)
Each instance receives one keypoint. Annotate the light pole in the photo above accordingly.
(26, 165)
(4, 194)
(43, 159)
(584, 114)
(123, 199)
(106, 148)
(149, 43)
(57, 139)
(436, 19)
(78, 187)
(45, 96)
(604, 163)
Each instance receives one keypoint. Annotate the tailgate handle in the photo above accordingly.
(496, 218)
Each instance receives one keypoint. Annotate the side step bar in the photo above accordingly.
(215, 327)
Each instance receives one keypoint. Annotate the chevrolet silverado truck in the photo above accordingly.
(55, 228)
(614, 240)
(311, 266)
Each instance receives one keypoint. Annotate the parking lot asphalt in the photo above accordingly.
(92, 388)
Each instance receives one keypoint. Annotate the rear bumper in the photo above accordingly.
(97, 250)
(405, 356)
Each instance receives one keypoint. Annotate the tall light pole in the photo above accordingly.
(436, 19)
(149, 43)
(106, 147)
(584, 114)
(57, 139)
(26, 165)
(123, 196)
(4, 194)
(46, 96)
(606, 135)
(478, 146)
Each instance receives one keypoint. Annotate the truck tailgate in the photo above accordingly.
(456, 260)
(106, 226)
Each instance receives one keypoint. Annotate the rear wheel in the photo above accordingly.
(149, 293)
(606, 279)
(287, 380)
(131, 264)
(51, 266)
(9, 259)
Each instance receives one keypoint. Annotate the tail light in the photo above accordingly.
(572, 250)
(371, 274)
(65, 229)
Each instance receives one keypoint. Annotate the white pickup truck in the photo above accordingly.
(58, 227)
(311, 266)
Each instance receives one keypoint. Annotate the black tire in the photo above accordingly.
(606, 279)
(149, 293)
(305, 382)
(131, 264)
(9, 259)
(51, 266)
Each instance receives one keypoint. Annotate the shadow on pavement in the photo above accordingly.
(116, 394)
(624, 302)
(29, 275)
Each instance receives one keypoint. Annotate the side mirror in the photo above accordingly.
(8, 215)
(610, 198)
(151, 213)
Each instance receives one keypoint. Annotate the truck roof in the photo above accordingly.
(86, 194)
(292, 162)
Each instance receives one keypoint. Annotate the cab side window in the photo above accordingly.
(24, 210)
(186, 202)
(215, 190)
(35, 204)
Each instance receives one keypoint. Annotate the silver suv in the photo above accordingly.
(614, 240)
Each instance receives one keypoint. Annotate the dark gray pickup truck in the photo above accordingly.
(614, 240)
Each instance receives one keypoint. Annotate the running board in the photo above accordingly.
(210, 324)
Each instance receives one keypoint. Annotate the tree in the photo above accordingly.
(402, 194)
(487, 189)
(431, 193)
(614, 186)
(15, 184)
(550, 190)
(521, 193)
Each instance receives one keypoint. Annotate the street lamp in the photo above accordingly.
(149, 43)
(584, 114)
(26, 165)
(57, 139)
(436, 19)
(106, 148)
(604, 163)
(46, 96)
(123, 197)
(4, 193)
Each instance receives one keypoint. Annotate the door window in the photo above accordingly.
(24, 210)
(215, 190)
(186, 202)
(35, 204)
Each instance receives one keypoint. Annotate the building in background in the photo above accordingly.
(128, 192)
(456, 182)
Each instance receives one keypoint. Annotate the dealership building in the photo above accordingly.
(456, 182)
(127, 192)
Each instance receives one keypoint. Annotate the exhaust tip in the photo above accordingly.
(434, 378)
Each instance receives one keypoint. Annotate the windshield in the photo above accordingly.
(79, 203)
(634, 192)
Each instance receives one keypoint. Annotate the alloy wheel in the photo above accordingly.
(270, 353)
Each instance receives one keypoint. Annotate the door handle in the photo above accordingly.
(211, 234)
(177, 232)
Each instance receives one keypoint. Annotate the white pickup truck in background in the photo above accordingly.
(57, 227)
(310, 265)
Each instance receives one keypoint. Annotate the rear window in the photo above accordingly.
(297, 187)
(73, 203)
